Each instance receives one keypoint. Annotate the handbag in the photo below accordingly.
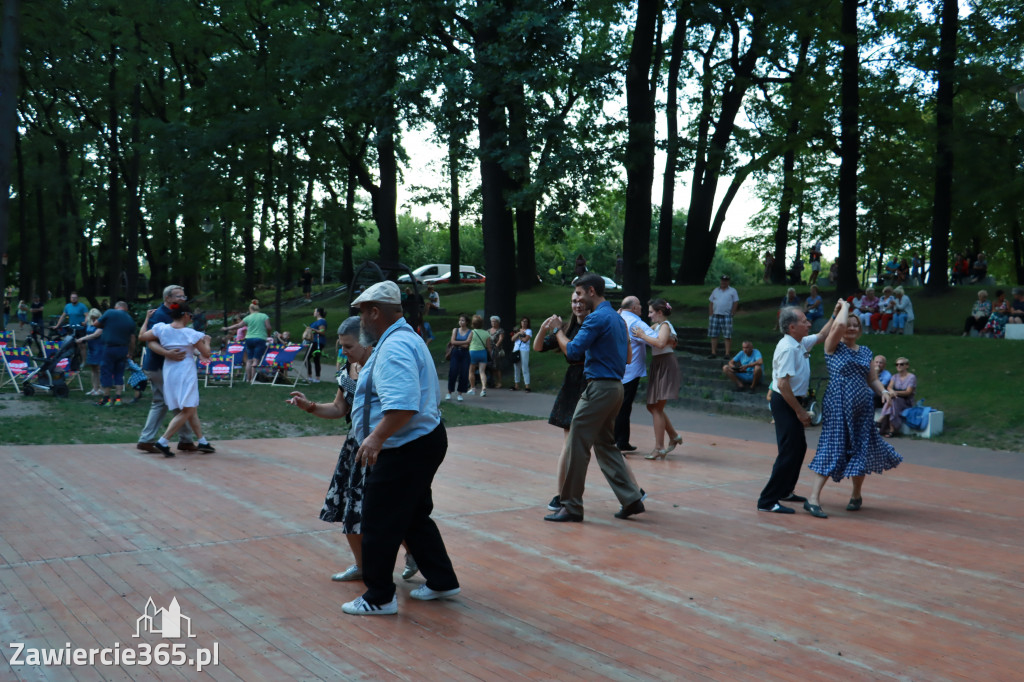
(307, 334)
(516, 356)
(448, 351)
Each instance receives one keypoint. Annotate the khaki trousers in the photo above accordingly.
(593, 426)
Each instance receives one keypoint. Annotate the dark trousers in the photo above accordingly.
(112, 364)
(625, 412)
(396, 506)
(458, 370)
(789, 433)
(974, 323)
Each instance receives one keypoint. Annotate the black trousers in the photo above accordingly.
(972, 323)
(625, 412)
(396, 506)
(789, 433)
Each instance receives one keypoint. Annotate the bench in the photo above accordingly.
(1015, 331)
(933, 428)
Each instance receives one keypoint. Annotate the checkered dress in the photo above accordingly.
(137, 376)
(850, 444)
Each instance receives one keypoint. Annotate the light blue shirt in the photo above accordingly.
(745, 359)
(637, 367)
(404, 378)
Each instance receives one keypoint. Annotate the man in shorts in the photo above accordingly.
(722, 305)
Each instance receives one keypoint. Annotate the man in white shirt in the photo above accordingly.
(791, 376)
(636, 369)
(722, 305)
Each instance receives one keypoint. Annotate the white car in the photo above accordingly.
(609, 284)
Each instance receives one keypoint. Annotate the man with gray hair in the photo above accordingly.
(636, 368)
(791, 376)
(153, 365)
(397, 419)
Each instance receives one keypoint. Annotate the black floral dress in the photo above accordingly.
(344, 502)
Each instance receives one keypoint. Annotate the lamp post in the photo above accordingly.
(208, 228)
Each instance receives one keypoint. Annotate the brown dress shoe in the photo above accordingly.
(186, 447)
(146, 447)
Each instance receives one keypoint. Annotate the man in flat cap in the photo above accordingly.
(397, 418)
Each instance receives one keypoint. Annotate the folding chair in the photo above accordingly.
(7, 339)
(50, 348)
(236, 349)
(221, 368)
(16, 362)
(278, 360)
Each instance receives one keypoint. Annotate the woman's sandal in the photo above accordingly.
(656, 454)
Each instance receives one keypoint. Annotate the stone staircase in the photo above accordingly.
(703, 386)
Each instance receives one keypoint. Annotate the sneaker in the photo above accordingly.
(166, 449)
(205, 448)
(116, 403)
(483, 392)
(353, 572)
(458, 398)
(447, 396)
(777, 509)
(424, 593)
(471, 391)
(361, 607)
(103, 403)
(411, 568)
(555, 504)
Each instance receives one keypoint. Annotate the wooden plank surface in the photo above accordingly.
(923, 584)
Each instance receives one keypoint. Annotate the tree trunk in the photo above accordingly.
(385, 200)
(849, 144)
(113, 246)
(9, 51)
(248, 243)
(456, 202)
(1017, 238)
(663, 269)
(699, 247)
(639, 161)
(942, 215)
(496, 216)
(525, 202)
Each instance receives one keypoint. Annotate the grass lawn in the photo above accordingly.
(242, 411)
(969, 379)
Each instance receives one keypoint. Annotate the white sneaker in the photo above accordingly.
(459, 398)
(483, 392)
(361, 607)
(447, 396)
(424, 593)
(471, 392)
(353, 572)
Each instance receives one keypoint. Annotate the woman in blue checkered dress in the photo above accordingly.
(850, 445)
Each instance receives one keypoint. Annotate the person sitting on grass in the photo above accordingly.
(747, 368)
(814, 305)
(1017, 307)
(980, 311)
(995, 328)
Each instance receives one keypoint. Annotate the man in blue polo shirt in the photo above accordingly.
(602, 344)
(397, 418)
(74, 311)
(117, 331)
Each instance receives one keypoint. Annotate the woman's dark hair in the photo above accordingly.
(321, 312)
(661, 305)
(178, 310)
(527, 325)
(464, 316)
(999, 292)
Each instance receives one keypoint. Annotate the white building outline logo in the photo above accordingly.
(164, 622)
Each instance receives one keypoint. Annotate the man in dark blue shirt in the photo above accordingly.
(117, 331)
(602, 344)
(153, 365)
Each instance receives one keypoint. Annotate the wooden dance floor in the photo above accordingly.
(923, 584)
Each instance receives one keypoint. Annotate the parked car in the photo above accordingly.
(464, 278)
(434, 270)
(609, 283)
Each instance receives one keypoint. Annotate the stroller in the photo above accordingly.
(49, 375)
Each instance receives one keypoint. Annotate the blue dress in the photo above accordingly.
(850, 444)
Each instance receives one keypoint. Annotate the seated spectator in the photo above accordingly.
(961, 269)
(902, 272)
(901, 387)
(868, 307)
(879, 363)
(790, 299)
(747, 368)
(1017, 307)
(903, 311)
(979, 270)
(891, 267)
(880, 320)
(814, 306)
(433, 300)
(979, 313)
(995, 328)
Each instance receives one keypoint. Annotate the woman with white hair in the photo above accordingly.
(496, 349)
(903, 311)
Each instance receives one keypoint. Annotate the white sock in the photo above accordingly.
(163, 441)
(203, 441)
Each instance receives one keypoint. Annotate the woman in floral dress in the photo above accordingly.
(850, 445)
